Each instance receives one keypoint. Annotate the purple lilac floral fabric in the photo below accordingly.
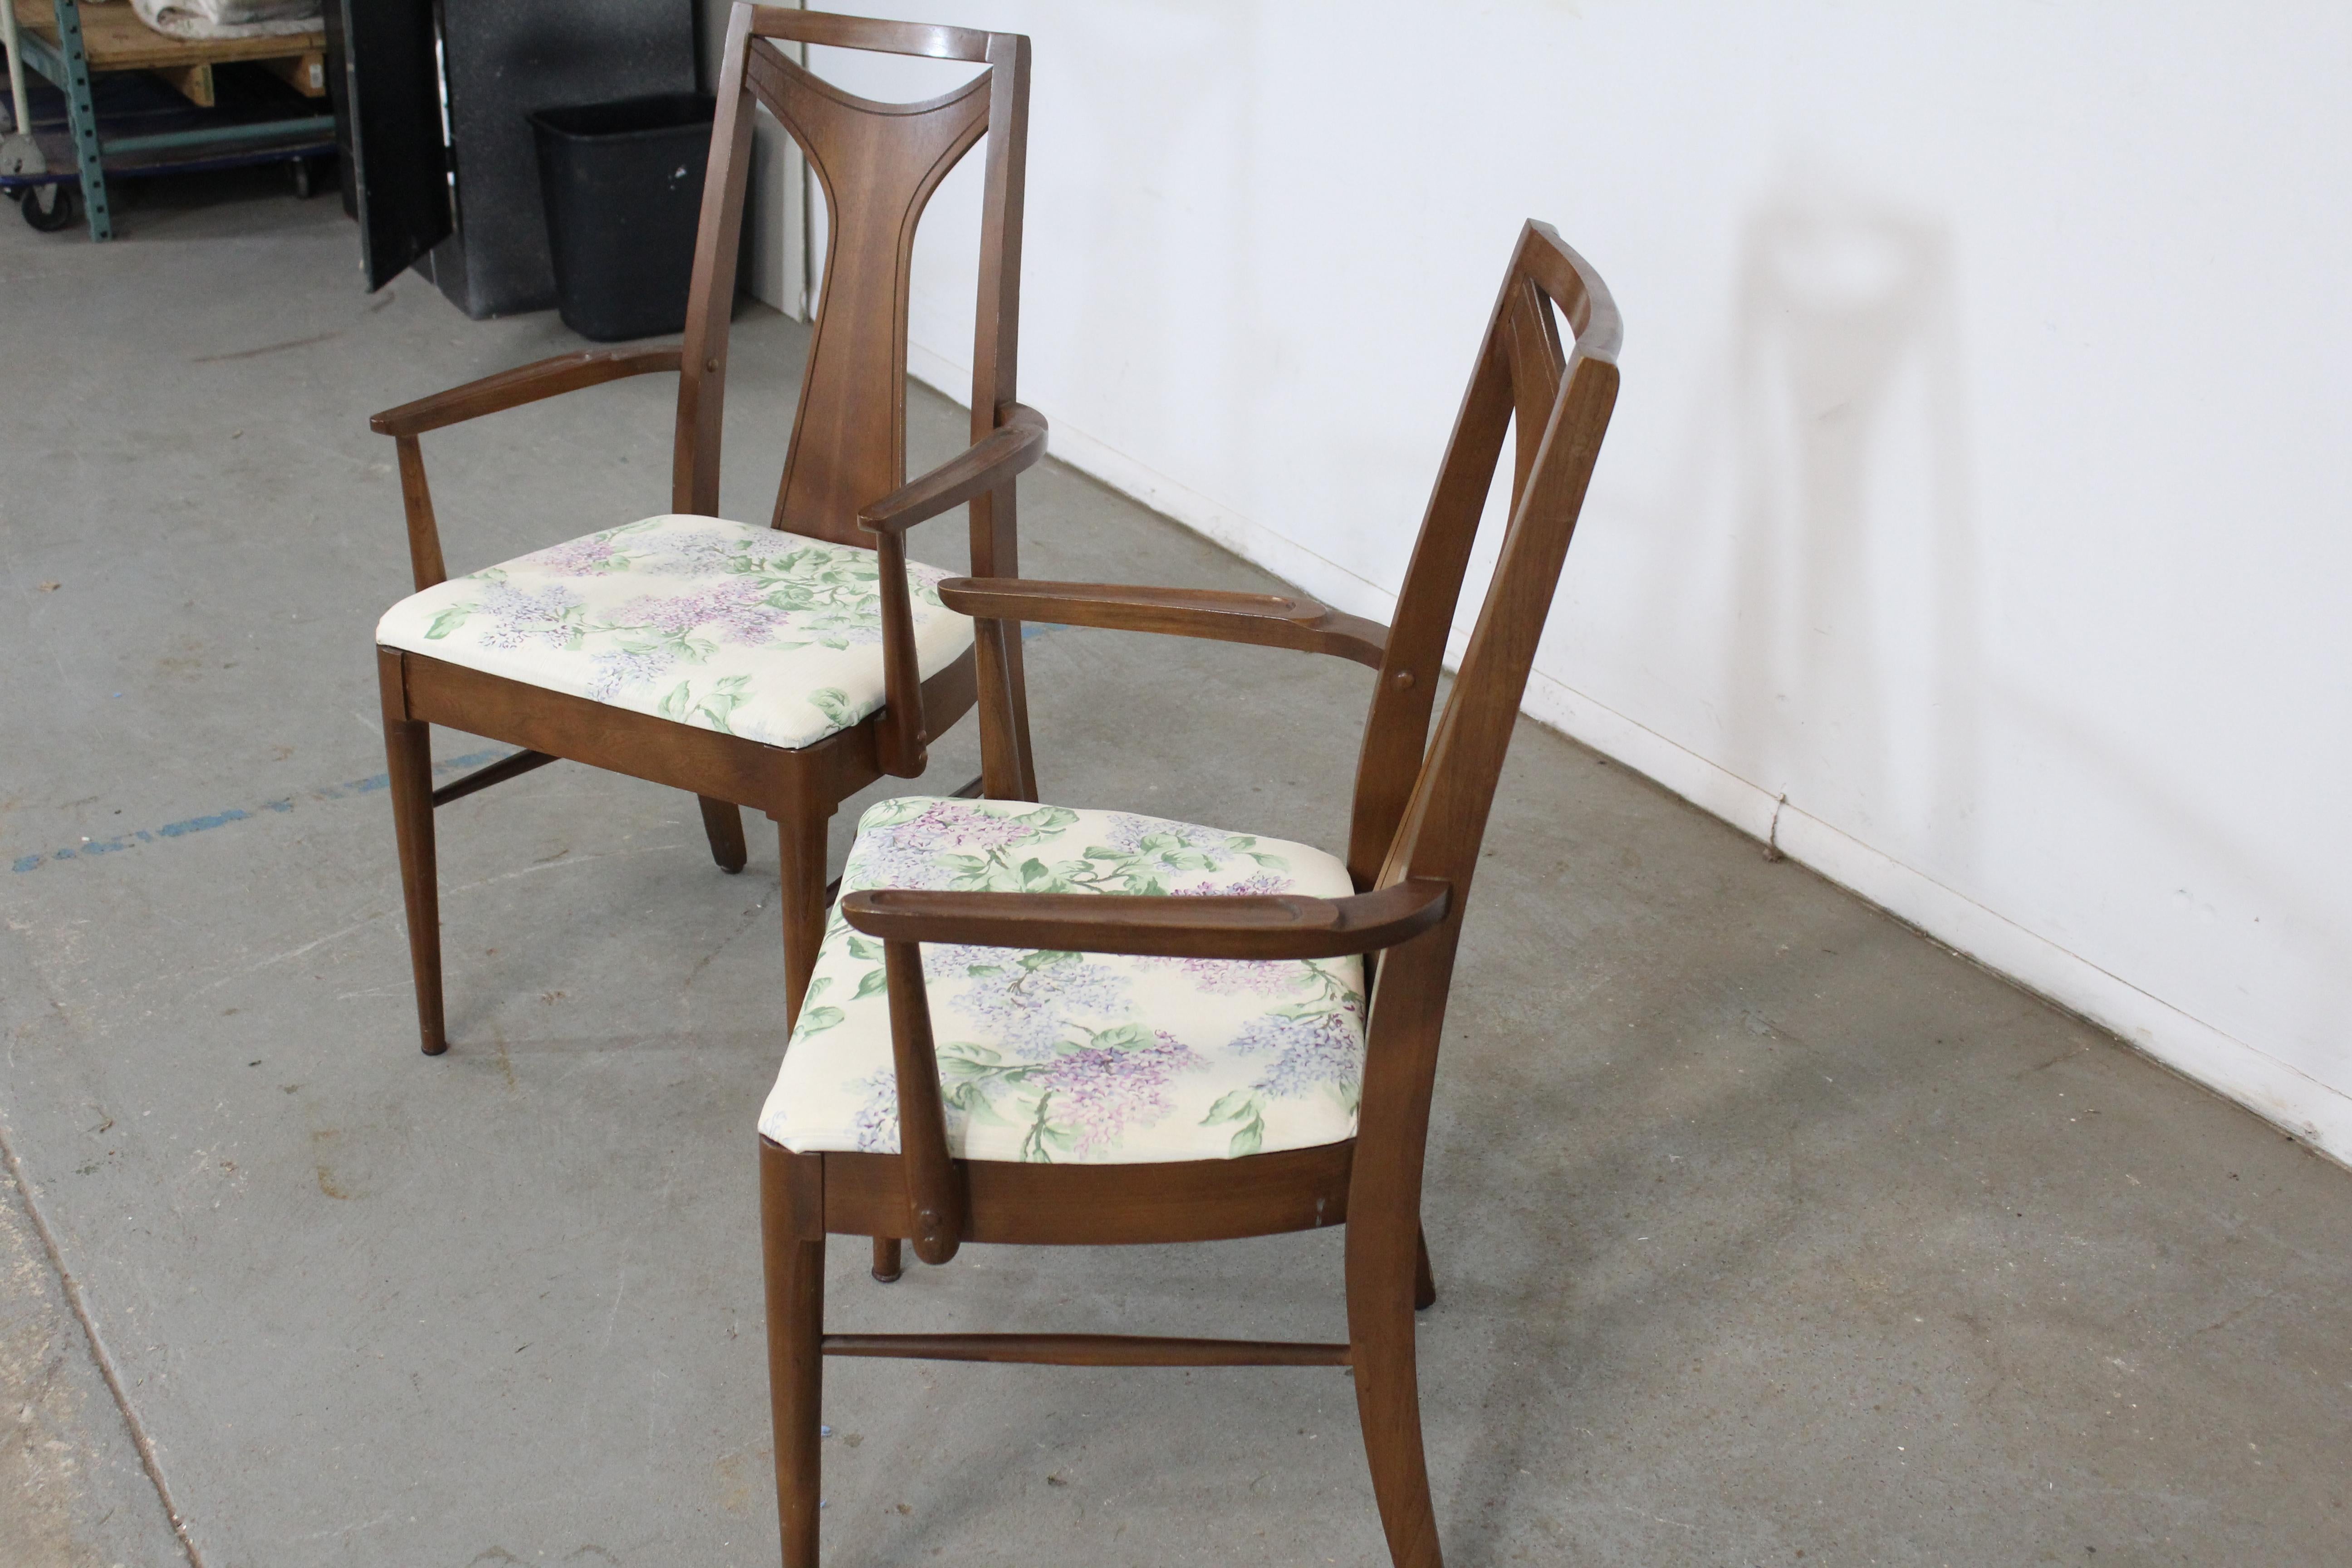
(1075, 1057)
(724, 626)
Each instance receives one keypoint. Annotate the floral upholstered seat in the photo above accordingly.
(748, 631)
(1071, 1056)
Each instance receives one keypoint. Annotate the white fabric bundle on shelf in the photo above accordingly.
(229, 19)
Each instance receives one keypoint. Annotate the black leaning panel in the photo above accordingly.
(388, 131)
(507, 59)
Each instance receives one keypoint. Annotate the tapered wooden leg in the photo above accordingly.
(1424, 1282)
(722, 823)
(800, 839)
(791, 1193)
(408, 756)
(1381, 1270)
(889, 1259)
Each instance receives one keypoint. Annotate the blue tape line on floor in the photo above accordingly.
(188, 824)
(1030, 631)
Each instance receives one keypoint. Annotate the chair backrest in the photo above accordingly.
(877, 164)
(1421, 806)
(1421, 803)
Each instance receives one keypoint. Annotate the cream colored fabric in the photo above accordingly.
(230, 18)
(1079, 1057)
(724, 626)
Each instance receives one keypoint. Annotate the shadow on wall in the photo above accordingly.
(1856, 677)
(1853, 669)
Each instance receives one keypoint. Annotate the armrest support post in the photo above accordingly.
(424, 532)
(935, 1191)
(987, 466)
(904, 729)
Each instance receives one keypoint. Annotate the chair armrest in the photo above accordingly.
(524, 384)
(1260, 926)
(988, 464)
(1268, 620)
(1009, 449)
(1278, 925)
(508, 389)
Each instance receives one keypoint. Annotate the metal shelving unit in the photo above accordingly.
(55, 41)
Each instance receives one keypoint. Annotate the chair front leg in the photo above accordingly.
(408, 758)
(792, 1228)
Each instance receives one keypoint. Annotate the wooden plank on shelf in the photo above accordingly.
(195, 82)
(306, 73)
(117, 40)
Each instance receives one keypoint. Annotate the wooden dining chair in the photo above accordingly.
(782, 667)
(1240, 1038)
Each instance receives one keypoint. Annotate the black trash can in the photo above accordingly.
(623, 186)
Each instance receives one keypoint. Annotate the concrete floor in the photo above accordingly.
(1768, 1231)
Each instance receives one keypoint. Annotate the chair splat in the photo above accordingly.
(857, 357)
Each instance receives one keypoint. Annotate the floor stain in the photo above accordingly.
(739, 1475)
(267, 349)
(322, 1140)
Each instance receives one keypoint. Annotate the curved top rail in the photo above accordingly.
(924, 39)
(1577, 286)
(776, 61)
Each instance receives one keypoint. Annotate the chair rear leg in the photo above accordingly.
(722, 823)
(889, 1259)
(791, 1187)
(408, 755)
(1380, 1290)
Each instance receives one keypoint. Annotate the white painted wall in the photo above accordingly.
(1980, 478)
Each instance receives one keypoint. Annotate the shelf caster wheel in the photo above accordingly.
(301, 178)
(48, 207)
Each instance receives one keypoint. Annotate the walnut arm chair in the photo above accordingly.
(1243, 1039)
(782, 667)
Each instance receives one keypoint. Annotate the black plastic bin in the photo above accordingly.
(623, 186)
